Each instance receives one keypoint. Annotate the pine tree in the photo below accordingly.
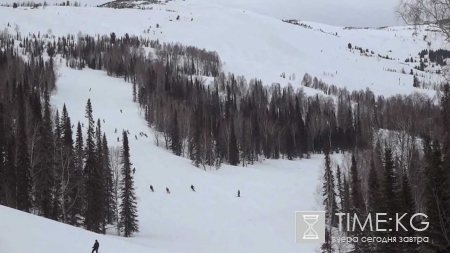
(233, 150)
(23, 159)
(58, 170)
(45, 180)
(329, 194)
(109, 187)
(409, 208)
(128, 205)
(357, 205)
(175, 136)
(391, 192)
(436, 196)
(11, 173)
(78, 193)
(93, 191)
(99, 175)
(290, 144)
(374, 200)
(300, 133)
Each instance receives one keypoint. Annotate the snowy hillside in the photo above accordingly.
(23, 232)
(251, 44)
(212, 219)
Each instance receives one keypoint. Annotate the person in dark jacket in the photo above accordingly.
(95, 247)
(167, 190)
(151, 188)
(239, 193)
(192, 187)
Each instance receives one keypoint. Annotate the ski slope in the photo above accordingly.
(251, 44)
(212, 219)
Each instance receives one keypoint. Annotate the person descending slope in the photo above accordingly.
(95, 247)
(239, 193)
(192, 187)
(167, 190)
(151, 188)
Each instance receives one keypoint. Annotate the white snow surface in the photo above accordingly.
(251, 44)
(212, 219)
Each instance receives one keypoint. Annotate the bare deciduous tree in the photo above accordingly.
(115, 167)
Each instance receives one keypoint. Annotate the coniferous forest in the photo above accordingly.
(397, 148)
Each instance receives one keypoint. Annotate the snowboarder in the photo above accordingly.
(239, 193)
(192, 187)
(95, 247)
(167, 190)
(151, 188)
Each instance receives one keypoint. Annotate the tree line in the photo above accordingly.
(42, 169)
(400, 174)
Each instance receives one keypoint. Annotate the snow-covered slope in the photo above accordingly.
(251, 44)
(27, 233)
(212, 219)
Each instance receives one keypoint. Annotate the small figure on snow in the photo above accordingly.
(239, 193)
(120, 110)
(82, 124)
(192, 187)
(167, 190)
(115, 131)
(95, 247)
(146, 135)
(135, 137)
(128, 132)
(103, 120)
(118, 140)
(90, 89)
(134, 170)
(151, 188)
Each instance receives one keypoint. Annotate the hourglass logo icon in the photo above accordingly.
(310, 227)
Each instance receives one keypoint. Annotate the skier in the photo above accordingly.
(167, 190)
(128, 132)
(82, 124)
(90, 89)
(134, 170)
(115, 131)
(95, 247)
(120, 110)
(192, 187)
(146, 135)
(118, 139)
(239, 193)
(135, 137)
(103, 120)
(151, 188)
